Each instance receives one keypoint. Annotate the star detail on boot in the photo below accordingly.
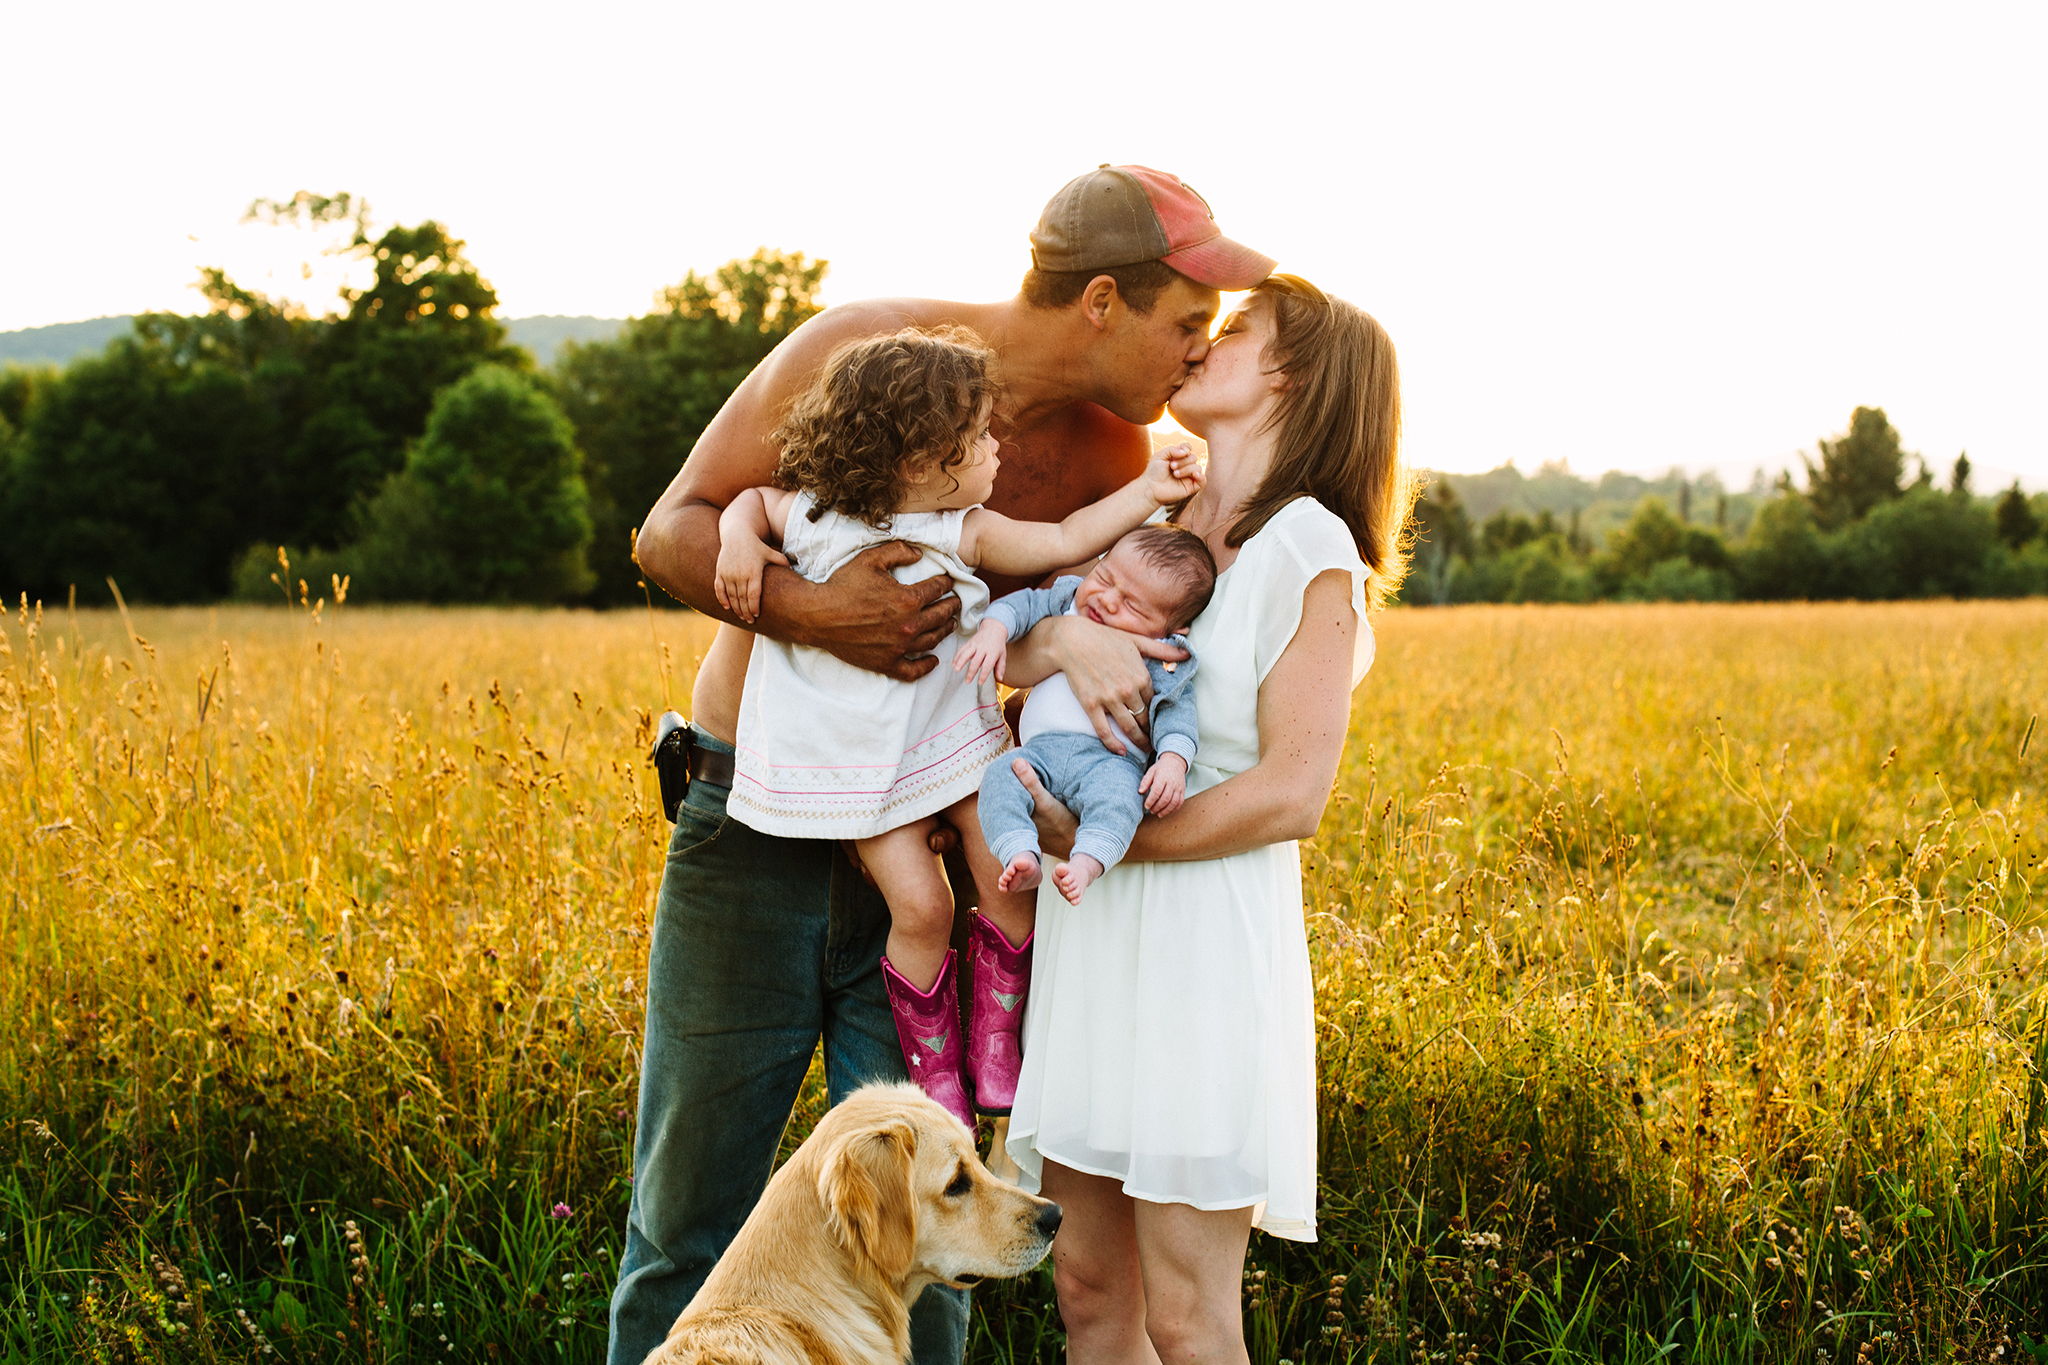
(1008, 1002)
(936, 1044)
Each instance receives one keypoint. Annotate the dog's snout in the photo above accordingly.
(1049, 1220)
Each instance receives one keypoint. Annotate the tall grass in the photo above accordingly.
(1677, 987)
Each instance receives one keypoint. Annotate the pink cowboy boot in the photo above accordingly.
(1002, 978)
(928, 1027)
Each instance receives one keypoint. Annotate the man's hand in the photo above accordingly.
(1106, 669)
(742, 561)
(1174, 475)
(863, 615)
(982, 657)
(1165, 784)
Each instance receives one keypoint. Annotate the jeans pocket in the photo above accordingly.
(696, 828)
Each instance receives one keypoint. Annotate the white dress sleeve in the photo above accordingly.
(1302, 541)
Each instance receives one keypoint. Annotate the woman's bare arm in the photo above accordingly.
(1304, 715)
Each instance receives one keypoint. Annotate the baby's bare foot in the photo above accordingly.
(1021, 875)
(1073, 878)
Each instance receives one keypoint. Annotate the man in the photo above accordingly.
(763, 946)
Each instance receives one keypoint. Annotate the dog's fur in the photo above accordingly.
(885, 1197)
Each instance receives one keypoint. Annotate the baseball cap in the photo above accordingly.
(1121, 215)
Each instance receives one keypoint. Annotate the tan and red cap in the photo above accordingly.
(1122, 215)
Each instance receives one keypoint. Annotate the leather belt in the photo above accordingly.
(709, 765)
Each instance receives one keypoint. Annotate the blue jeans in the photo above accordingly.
(761, 947)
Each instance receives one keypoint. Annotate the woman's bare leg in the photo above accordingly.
(1193, 1267)
(1096, 1271)
(913, 880)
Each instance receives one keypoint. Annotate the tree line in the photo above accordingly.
(1861, 527)
(399, 440)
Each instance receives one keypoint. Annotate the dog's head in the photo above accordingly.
(905, 1193)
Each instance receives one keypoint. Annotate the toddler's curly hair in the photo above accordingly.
(880, 408)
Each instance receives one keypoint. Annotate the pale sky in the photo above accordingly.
(1625, 236)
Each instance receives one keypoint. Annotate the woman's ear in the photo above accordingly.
(865, 1186)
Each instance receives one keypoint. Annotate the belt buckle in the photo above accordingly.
(673, 739)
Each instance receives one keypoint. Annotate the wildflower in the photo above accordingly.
(289, 1239)
(559, 1211)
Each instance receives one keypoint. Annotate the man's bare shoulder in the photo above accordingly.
(844, 322)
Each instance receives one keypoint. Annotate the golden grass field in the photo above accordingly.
(1678, 977)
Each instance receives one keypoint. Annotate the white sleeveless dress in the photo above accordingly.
(829, 751)
(1169, 1041)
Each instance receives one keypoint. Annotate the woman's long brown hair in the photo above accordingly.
(1339, 427)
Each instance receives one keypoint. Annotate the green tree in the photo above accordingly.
(2015, 517)
(1785, 557)
(490, 506)
(640, 401)
(1443, 535)
(1859, 469)
(423, 323)
(1959, 476)
(1924, 544)
(154, 462)
(194, 437)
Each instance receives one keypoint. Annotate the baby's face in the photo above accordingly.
(1126, 592)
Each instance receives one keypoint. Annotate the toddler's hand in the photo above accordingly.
(741, 565)
(984, 655)
(1174, 474)
(1165, 785)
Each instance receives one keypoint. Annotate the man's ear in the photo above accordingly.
(1098, 301)
(865, 1185)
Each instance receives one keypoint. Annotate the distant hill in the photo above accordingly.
(543, 334)
(63, 342)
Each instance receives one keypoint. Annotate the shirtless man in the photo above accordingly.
(762, 946)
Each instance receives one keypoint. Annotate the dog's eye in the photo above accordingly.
(962, 1183)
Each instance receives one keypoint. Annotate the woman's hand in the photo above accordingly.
(1056, 824)
(1104, 666)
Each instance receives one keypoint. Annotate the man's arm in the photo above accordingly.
(862, 614)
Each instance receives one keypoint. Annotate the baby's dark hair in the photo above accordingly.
(1180, 554)
(879, 408)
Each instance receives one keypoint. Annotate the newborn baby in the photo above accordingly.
(1153, 582)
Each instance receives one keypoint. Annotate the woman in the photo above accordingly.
(1167, 1100)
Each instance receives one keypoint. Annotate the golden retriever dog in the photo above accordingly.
(885, 1197)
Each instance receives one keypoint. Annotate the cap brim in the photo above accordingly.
(1221, 263)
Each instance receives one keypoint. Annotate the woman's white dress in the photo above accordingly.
(1169, 1039)
(829, 751)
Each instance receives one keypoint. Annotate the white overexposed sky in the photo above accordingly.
(1622, 235)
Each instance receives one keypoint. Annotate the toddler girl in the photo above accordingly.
(893, 443)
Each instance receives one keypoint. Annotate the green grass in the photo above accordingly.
(1677, 976)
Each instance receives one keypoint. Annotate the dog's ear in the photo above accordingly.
(865, 1184)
